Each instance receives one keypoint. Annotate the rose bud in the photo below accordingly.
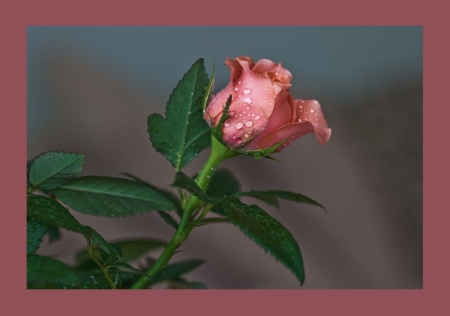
(262, 111)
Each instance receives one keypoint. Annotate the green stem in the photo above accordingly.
(217, 155)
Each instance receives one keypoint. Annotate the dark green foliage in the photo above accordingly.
(131, 250)
(213, 220)
(134, 249)
(52, 169)
(49, 272)
(123, 266)
(166, 193)
(223, 183)
(35, 231)
(176, 270)
(111, 197)
(52, 213)
(181, 283)
(209, 90)
(168, 219)
(270, 197)
(110, 252)
(183, 133)
(95, 279)
(53, 233)
(267, 232)
(184, 182)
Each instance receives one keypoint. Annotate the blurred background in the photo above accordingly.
(90, 90)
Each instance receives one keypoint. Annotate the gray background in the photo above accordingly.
(90, 90)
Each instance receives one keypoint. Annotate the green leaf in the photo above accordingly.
(87, 265)
(52, 169)
(183, 133)
(40, 286)
(168, 219)
(209, 90)
(183, 284)
(52, 213)
(112, 252)
(111, 197)
(183, 181)
(125, 267)
(35, 231)
(131, 250)
(213, 220)
(216, 131)
(54, 233)
(175, 270)
(270, 197)
(268, 233)
(166, 193)
(95, 279)
(51, 271)
(223, 183)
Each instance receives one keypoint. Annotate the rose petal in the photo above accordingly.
(309, 110)
(215, 107)
(275, 71)
(236, 68)
(291, 131)
(281, 116)
(309, 119)
(242, 128)
(217, 103)
(255, 89)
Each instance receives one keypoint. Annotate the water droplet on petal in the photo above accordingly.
(227, 124)
(253, 114)
(246, 135)
(248, 100)
(257, 117)
(239, 125)
(239, 82)
(249, 123)
(247, 91)
(312, 110)
(236, 88)
(238, 141)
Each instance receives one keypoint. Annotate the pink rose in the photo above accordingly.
(262, 110)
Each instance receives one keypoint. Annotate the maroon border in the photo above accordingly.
(16, 15)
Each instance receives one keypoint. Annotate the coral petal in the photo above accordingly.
(262, 94)
(215, 107)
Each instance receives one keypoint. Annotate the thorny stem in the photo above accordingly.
(217, 155)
